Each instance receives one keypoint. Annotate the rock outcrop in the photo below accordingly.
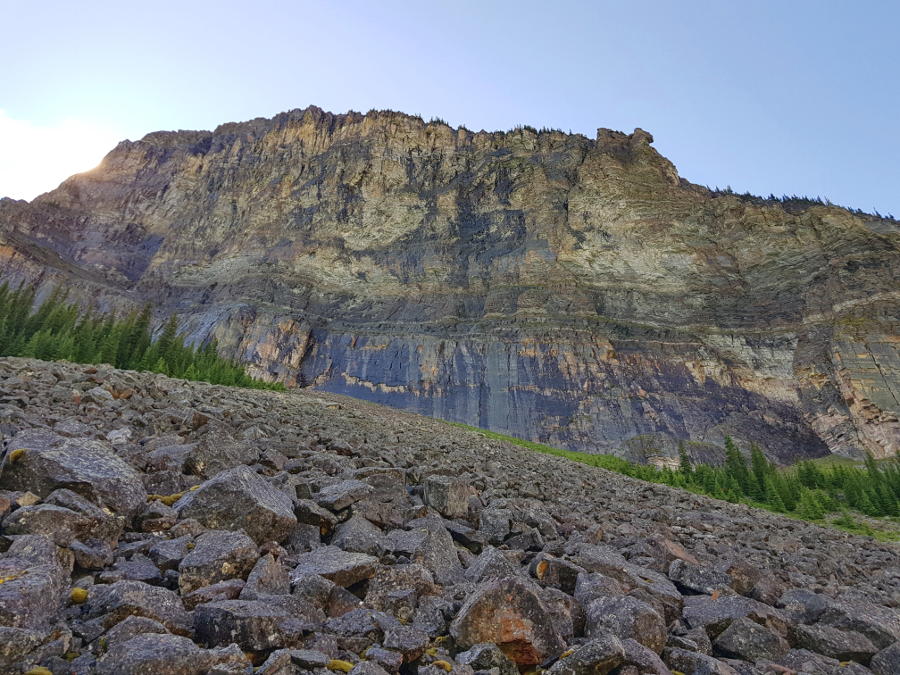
(564, 289)
(589, 571)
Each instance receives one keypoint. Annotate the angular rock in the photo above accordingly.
(268, 577)
(31, 595)
(216, 555)
(308, 512)
(130, 627)
(239, 498)
(359, 535)
(113, 603)
(256, 625)
(449, 496)
(626, 617)
(509, 613)
(166, 655)
(601, 655)
(342, 567)
(168, 553)
(339, 496)
(833, 642)
(90, 468)
(887, 661)
(747, 640)
(878, 623)
(716, 614)
(229, 589)
(555, 572)
(692, 578)
(487, 656)
(491, 564)
(695, 663)
(643, 659)
(407, 640)
(391, 580)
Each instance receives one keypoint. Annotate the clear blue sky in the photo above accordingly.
(784, 96)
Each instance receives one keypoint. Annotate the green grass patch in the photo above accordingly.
(813, 493)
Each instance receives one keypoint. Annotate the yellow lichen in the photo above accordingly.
(16, 454)
(443, 664)
(566, 653)
(431, 651)
(39, 670)
(323, 529)
(168, 500)
(78, 595)
(339, 665)
(193, 487)
(541, 569)
(11, 577)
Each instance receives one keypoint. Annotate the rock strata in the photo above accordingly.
(383, 543)
(570, 290)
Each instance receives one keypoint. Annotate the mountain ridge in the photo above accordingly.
(570, 290)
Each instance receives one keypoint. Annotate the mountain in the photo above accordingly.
(550, 286)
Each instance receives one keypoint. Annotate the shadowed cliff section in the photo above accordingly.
(569, 290)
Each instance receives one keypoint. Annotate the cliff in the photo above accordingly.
(570, 290)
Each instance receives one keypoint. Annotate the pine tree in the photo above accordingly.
(736, 466)
(684, 461)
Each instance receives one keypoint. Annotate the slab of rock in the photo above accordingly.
(91, 468)
(216, 555)
(601, 655)
(339, 496)
(239, 498)
(31, 595)
(834, 642)
(486, 656)
(256, 625)
(359, 535)
(684, 661)
(129, 628)
(878, 623)
(692, 578)
(555, 572)
(407, 640)
(509, 613)
(716, 614)
(626, 617)
(112, 603)
(491, 564)
(268, 577)
(748, 640)
(344, 568)
(448, 495)
(168, 655)
(229, 589)
(887, 661)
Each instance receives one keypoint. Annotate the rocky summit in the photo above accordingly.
(569, 290)
(154, 525)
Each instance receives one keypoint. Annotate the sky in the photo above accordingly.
(770, 96)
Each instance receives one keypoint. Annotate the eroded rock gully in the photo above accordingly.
(155, 525)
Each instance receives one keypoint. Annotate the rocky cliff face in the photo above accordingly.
(570, 290)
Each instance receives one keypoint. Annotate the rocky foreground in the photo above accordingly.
(152, 525)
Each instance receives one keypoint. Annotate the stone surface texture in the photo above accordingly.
(552, 564)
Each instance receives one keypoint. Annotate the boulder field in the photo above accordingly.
(153, 525)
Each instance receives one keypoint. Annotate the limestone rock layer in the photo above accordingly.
(569, 290)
